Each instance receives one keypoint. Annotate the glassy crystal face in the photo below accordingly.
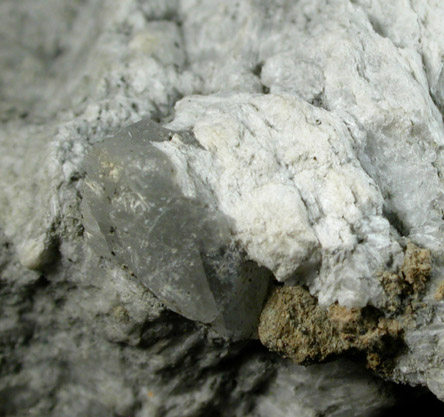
(180, 247)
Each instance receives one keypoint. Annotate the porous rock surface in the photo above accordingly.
(315, 130)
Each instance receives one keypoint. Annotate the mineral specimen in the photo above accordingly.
(299, 138)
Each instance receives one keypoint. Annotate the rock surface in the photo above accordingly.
(313, 128)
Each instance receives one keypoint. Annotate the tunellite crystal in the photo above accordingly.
(141, 211)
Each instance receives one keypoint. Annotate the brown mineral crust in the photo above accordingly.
(417, 266)
(439, 293)
(394, 287)
(402, 289)
(293, 325)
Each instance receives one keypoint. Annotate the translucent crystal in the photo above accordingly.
(181, 248)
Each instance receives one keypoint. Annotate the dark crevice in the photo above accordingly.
(377, 27)
(396, 222)
(257, 71)
(413, 402)
(265, 89)
(318, 101)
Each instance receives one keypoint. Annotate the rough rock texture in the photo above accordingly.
(320, 133)
(313, 385)
(301, 198)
